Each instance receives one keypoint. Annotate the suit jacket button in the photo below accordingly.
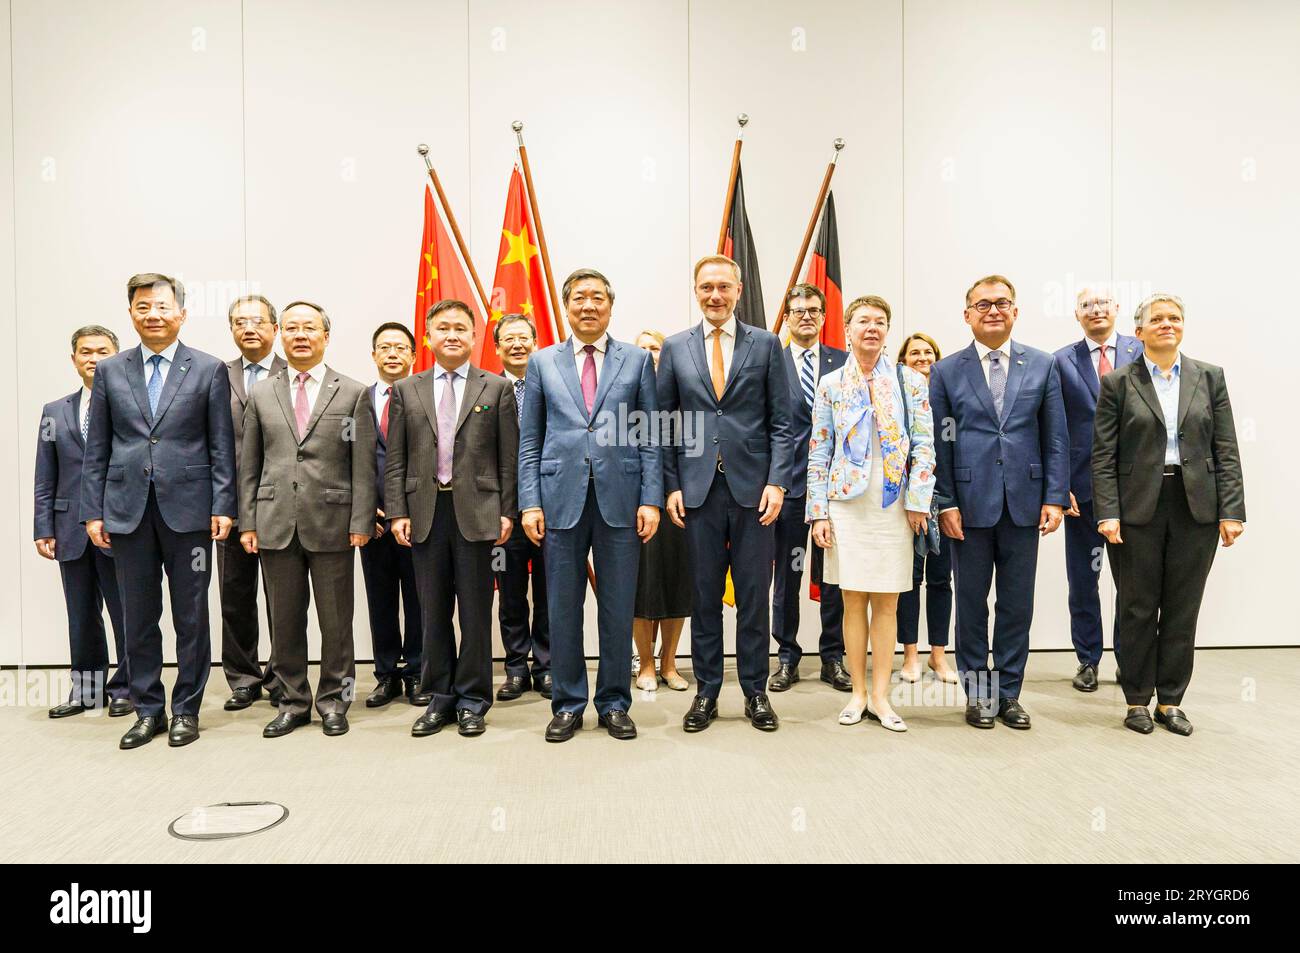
(153, 439)
(591, 430)
(999, 463)
(715, 439)
(719, 411)
(146, 470)
(300, 458)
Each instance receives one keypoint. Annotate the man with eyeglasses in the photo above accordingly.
(253, 325)
(387, 567)
(1002, 480)
(806, 360)
(1082, 365)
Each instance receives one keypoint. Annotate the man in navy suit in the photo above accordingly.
(89, 582)
(158, 485)
(388, 568)
(590, 481)
(806, 360)
(1002, 479)
(1081, 366)
(727, 469)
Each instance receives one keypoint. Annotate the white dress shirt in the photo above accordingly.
(168, 356)
(379, 399)
(313, 385)
(83, 408)
(797, 353)
(1005, 360)
(1094, 350)
(598, 355)
(728, 343)
(459, 378)
(263, 368)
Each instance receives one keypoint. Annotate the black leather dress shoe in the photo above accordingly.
(543, 684)
(1175, 720)
(783, 678)
(1085, 680)
(980, 715)
(389, 687)
(563, 726)
(335, 724)
(618, 724)
(184, 730)
(284, 723)
(421, 699)
(1012, 714)
(67, 709)
(120, 707)
(431, 722)
(143, 731)
(241, 698)
(836, 675)
(469, 724)
(513, 687)
(760, 714)
(275, 695)
(1139, 720)
(703, 710)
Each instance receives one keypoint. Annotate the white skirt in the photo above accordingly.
(873, 544)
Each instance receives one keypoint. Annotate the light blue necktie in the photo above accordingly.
(806, 378)
(252, 378)
(155, 384)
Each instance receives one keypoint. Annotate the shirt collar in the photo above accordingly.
(728, 327)
(315, 373)
(168, 353)
(984, 352)
(265, 363)
(600, 344)
(510, 377)
(797, 350)
(1155, 370)
(462, 372)
(85, 398)
(1111, 342)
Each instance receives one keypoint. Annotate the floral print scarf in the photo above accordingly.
(870, 402)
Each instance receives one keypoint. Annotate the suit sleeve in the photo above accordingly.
(250, 472)
(821, 444)
(945, 487)
(780, 419)
(394, 475)
(362, 521)
(99, 439)
(920, 473)
(1056, 441)
(1227, 461)
(652, 467)
(221, 445)
(671, 418)
(532, 431)
(1105, 450)
(508, 449)
(47, 477)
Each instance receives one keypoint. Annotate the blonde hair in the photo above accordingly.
(648, 333)
(716, 260)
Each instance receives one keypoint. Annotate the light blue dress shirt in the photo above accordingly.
(1167, 392)
(168, 356)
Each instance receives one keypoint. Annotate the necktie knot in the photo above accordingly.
(995, 356)
(304, 377)
(589, 348)
(156, 360)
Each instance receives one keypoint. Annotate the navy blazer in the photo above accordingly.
(831, 359)
(59, 450)
(561, 446)
(187, 452)
(1022, 459)
(751, 426)
(1079, 389)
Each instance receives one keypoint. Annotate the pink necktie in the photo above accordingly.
(1103, 362)
(589, 377)
(301, 410)
(446, 426)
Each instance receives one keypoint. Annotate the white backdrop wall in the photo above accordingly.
(269, 145)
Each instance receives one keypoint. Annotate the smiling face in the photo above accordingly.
(589, 308)
(156, 317)
(717, 291)
(991, 328)
(1161, 330)
(393, 356)
(304, 336)
(1096, 311)
(515, 342)
(90, 350)
(866, 331)
(451, 337)
(919, 356)
(253, 330)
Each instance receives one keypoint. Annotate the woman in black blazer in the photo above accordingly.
(1166, 485)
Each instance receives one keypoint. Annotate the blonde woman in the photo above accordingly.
(870, 479)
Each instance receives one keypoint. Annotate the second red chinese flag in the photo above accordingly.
(440, 276)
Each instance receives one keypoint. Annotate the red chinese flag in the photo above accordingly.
(440, 276)
(520, 284)
(824, 273)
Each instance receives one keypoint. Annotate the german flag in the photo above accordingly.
(739, 246)
(824, 273)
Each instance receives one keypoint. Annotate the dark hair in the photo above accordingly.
(805, 290)
(991, 280)
(579, 275)
(324, 318)
(93, 331)
(270, 308)
(447, 304)
(918, 336)
(392, 326)
(507, 319)
(150, 279)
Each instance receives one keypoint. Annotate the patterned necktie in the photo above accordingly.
(155, 384)
(715, 369)
(806, 378)
(1103, 363)
(85, 421)
(251, 378)
(997, 380)
(446, 426)
(383, 418)
(301, 409)
(519, 400)
(589, 377)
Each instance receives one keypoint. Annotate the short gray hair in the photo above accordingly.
(580, 275)
(1139, 316)
(244, 299)
(94, 331)
(324, 318)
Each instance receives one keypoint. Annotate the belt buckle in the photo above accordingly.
(721, 468)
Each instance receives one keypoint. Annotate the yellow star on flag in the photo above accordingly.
(520, 248)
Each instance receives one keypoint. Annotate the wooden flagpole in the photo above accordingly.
(807, 235)
(556, 315)
(455, 232)
(742, 120)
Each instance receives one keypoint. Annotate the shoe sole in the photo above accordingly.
(124, 747)
(693, 729)
(333, 733)
(1140, 729)
(1016, 727)
(614, 733)
(763, 727)
(1085, 688)
(181, 744)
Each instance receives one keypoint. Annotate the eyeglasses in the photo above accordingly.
(811, 312)
(983, 306)
(393, 349)
(1102, 304)
(243, 323)
(510, 340)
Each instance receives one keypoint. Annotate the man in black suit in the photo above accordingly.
(515, 337)
(725, 384)
(253, 324)
(806, 360)
(158, 485)
(387, 567)
(89, 580)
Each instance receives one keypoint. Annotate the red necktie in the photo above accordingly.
(1103, 362)
(383, 418)
(589, 377)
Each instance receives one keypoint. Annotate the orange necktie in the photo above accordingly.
(719, 379)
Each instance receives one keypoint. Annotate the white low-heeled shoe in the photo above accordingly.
(905, 676)
(891, 722)
(850, 715)
(647, 683)
(947, 676)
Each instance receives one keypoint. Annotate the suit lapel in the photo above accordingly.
(792, 376)
(1015, 377)
(72, 411)
(739, 353)
(970, 365)
(1083, 361)
(329, 386)
(1127, 351)
(615, 354)
(569, 372)
(698, 342)
(135, 380)
(475, 383)
(1190, 378)
(375, 412)
(176, 375)
(235, 371)
(1147, 389)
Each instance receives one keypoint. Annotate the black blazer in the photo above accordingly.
(1128, 446)
(832, 359)
(59, 449)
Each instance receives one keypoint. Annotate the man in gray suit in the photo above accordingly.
(449, 482)
(307, 499)
(253, 326)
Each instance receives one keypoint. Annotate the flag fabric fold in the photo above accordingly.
(440, 276)
(739, 246)
(824, 273)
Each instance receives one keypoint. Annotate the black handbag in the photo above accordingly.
(928, 542)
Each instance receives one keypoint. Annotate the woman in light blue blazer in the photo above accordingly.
(870, 479)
